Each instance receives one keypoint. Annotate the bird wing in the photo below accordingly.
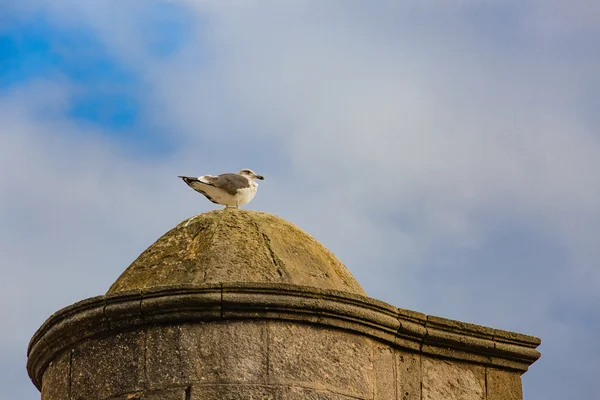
(229, 183)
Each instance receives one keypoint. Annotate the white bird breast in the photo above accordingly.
(243, 196)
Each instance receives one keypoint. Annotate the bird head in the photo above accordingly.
(250, 174)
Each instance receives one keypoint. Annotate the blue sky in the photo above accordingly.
(445, 151)
(105, 92)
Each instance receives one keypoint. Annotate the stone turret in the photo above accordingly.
(236, 304)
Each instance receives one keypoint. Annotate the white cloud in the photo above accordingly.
(420, 142)
(443, 126)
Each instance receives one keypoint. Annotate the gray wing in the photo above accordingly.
(228, 182)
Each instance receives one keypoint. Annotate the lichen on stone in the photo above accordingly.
(233, 245)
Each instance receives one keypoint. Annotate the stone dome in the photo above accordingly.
(233, 245)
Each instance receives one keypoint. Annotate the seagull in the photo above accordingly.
(230, 190)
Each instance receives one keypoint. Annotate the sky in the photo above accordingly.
(447, 151)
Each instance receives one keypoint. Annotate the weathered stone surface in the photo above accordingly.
(167, 394)
(514, 337)
(221, 304)
(87, 320)
(301, 259)
(446, 380)
(56, 382)
(408, 375)
(503, 385)
(385, 372)
(460, 340)
(39, 356)
(168, 360)
(124, 310)
(108, 366)
(269, 300)
(300, 393)
(181, 303)
(234, 245)
(237, 392)
(457, 353)
(412, 329)
(452, 325)
(127, 396)
(233, 351)
(516, 351)
(339, 361)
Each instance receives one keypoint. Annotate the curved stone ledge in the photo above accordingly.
(124, 311)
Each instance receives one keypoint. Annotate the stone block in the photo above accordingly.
(105, 367)
(206, 352)
(300, 393)
(339, 361)
(167, 394)
(408, 375)
(385, 372)
(446, 380)
(127, 396)
(236, 392)
(83, 319)
(456, 353)
(503, 385)
(55, 383)
(168, 360)
(124, 309)
(38, 357)
(232, 351)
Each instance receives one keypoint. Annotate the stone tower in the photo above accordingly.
(236, 304)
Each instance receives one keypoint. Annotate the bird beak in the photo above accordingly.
(262, 178)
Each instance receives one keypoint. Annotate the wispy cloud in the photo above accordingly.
(444, 150)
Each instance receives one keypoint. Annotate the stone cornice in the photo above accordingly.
(104, 315)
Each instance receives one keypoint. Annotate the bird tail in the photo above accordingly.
(193, 180)
(188, 179)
